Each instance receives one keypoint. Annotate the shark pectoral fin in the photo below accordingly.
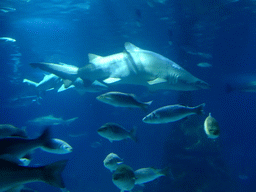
(111, 80)
(67, 83)
(156, 81)
(92, 57)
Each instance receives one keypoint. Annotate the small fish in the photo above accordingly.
(115, 132)
(8, 39)
(7, 130)
(171, 113)
(145, 175)
(51, 120)
(204, 64)
(57, 146)
(211, 127)
(7, 9)
(12, 174)
(112, 161)
(124, 178)
(242, 87)
(18, 147)
(119, 99)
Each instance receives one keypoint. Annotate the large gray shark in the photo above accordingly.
(133, 66)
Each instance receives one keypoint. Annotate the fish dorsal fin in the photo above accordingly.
(111, 80)
(92, 56)
(156, 81)
(130, 47)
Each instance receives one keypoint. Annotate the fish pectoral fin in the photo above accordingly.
(67, 83)
(92, 57)
(111, 80)
(157, 81)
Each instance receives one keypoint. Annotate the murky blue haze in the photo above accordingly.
(221, 33)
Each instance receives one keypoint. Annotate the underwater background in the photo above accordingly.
(221, 33)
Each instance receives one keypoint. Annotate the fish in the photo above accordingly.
(171, 113)
(57, 146)
(204, 64)
(242, 87)
(211, 127)
(18, 147)
(133, 66)
(51, 120)
(115, 132)
(148, 174)
(8, 39)
(119, 99)
(124, 178)
(23, 101)
(7, 130)
(7, 9)
(12, 174)
(112, 161)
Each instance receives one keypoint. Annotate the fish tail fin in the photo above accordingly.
(145, 105)
(71, 120)
(45, 136)
(166, 172)
(200, 109)
(133, 134)
(52, 173)
(29, 82)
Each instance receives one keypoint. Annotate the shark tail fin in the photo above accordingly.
(52, 173)
(133, 134)
(145, 105)
(29, 82)
(200, 109)
(69, 121)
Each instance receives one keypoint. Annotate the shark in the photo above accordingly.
(134, 66)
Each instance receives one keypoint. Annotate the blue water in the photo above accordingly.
(66, 31)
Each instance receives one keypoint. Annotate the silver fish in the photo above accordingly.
(134, 66)
(171, 113)
(12, 174)
(145, 175)
(204, 64)
(51, 120)
(112, 161)
(119, 99)
(8, 39)
(211, 127)
(57, 146)
(124, 178)
(115, 132)
(242, 87)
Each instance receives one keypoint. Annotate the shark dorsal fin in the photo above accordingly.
(130, 47)
(92, 57)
